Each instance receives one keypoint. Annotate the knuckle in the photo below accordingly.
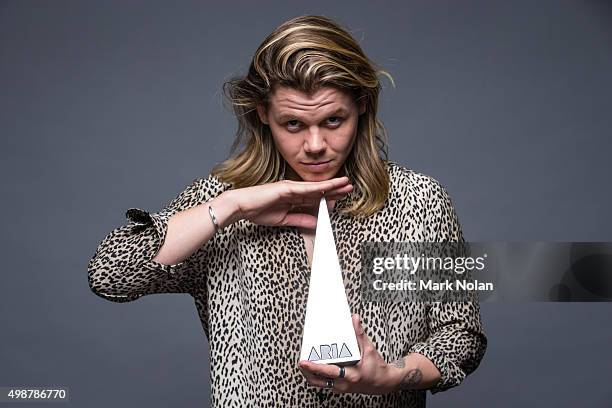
(286, 192)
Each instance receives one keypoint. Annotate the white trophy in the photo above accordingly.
(329, 336)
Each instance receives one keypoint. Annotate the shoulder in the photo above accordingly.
(426, 199)
(416, 184)
(207, 187)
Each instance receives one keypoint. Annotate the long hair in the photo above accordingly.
(306, 53)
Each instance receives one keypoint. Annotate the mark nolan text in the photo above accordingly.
(458, 284)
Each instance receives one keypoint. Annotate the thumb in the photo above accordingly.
(330, 204)
(362, 338)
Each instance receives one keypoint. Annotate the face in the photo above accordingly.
(314, 133)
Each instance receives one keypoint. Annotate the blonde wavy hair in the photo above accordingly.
(306, 53)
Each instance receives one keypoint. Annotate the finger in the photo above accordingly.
(321, 382)
(334, 197)
(314, 202)
(345, 372)
(322, 370)
(313, 379)
(341, 189)
(324, 185)
(341, 386)
(362, 338)
(357, 326)
(334, 182)
(310, 377)
(313, 198)
(328, 195)
(316, 194)
(311, 206)
(339, 181)
(317, 187)
(338, 193)
(305, 204)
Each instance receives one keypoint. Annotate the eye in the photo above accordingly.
(293, 124)
(332, 121)
(335, 121)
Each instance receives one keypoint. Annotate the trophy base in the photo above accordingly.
(338, 362)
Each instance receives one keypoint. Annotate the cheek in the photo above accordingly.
(344, 138)
(285, 143)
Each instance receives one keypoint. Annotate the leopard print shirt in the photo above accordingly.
(250, 283)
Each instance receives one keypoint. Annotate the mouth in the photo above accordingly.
(317, 167)
(316, 163)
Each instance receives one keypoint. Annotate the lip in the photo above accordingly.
(317, 165)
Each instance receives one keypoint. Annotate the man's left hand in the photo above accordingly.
(371, 375)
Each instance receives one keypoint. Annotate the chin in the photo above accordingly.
(318, 176)
(307, 175)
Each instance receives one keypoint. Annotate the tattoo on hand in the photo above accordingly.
(399, 363)
(411, 378)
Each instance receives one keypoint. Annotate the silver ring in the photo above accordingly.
(342, 373)
(329, 383)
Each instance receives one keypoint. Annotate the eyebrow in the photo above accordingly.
(283, 116)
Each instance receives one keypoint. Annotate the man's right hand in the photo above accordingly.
(286, 202)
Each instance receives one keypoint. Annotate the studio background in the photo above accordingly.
(110, 105)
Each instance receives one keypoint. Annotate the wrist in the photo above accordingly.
(225, 209)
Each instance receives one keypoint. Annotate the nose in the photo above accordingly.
(314, 141)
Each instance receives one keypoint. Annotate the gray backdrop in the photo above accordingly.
(110, 105)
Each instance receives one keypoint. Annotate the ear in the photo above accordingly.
(261, 111)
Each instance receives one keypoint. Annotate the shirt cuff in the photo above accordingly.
(119, 298)
(159, 222)
(450, 374)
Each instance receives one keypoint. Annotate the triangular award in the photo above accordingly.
(329, 336)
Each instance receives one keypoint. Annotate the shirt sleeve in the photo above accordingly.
(122, 268)
(456, 342)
